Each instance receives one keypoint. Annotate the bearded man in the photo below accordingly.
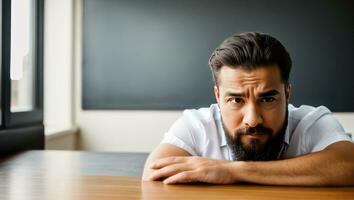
(253, 134)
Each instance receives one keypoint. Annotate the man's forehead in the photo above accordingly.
(267, 77)
(246, 93)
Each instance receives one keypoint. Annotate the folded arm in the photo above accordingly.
(331, 166)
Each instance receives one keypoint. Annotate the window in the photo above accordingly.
(21, 75)
(22, 57)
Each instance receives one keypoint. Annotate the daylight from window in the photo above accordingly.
(22, 55)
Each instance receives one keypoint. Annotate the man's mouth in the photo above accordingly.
(255, 135)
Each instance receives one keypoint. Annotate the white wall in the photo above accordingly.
(135, 131)
(58, 74)
(347, 120)
(58, 63)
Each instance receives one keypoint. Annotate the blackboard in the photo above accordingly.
(152, 54)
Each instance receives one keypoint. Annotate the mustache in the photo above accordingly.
(259, 129)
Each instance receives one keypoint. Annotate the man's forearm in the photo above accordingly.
(321, 168)
(332, 166)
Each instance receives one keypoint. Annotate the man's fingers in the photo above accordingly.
(183, 177)
(168, 171)
(163, 162)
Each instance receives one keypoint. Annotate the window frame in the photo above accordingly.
(35, 116)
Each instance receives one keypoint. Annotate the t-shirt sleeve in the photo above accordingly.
(324, 132)
(180, 135)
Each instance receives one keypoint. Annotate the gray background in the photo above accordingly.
(153, 54)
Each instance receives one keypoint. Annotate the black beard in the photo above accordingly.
(257, 151)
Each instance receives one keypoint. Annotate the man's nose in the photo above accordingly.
(251, 116)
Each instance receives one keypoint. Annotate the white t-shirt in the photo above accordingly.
(310, 129)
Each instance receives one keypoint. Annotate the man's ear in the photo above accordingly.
(217, 93)
(288, 92)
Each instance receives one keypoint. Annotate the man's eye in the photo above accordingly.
(268, 99)
(236, 100)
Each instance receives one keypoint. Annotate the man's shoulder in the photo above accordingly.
(306, 113)
(196, 131)
(312, 129)
(205, 124)
(301, 119)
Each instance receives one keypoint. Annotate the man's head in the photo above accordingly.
(251, 74)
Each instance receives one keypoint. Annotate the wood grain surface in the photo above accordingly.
(61, 175)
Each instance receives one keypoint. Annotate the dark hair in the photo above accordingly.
(249, 51)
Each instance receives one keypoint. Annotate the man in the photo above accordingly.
(253, 134)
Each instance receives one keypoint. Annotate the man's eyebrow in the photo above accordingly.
(263, 94)
(269, 93)
(234, 94)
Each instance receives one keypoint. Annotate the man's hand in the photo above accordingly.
(192, 169)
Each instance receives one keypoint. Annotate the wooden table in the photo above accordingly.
(67, 175)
